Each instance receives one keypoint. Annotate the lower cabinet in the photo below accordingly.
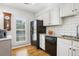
(75, 51)
(75, 48)
(67, 47)
(64, 47)
(5, 47)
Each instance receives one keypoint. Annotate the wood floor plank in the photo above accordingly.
(28, 51)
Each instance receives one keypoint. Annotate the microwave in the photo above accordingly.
(3, 33)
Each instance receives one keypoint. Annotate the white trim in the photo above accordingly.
(20, 46)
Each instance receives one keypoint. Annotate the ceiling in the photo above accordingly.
(31, 7)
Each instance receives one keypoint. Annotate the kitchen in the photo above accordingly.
(61, 22)
(55, 25)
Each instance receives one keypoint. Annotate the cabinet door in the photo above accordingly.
(39, 17)
(66, 10)
(5, 48)
(42, 41)
(55, 17)
(76, 8)
(63, 49)
(75, 48)
(46, 18)
(75, 51)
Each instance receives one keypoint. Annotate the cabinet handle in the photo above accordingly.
(72, 10)
(69, 51)
(75, 9)
(70, 48)
(73, 49)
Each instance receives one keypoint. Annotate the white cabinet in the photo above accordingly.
(55, 16)
(51, 17)
(42, 41)
(76, 8)
(5, 47)
(75, 48)
(64, 47)
(45, 17)
(75, 51)
(66, 10)
(67, 47)
(39, 17)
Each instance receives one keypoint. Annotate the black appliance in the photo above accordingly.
(2, 33)
(51, 45)
(36, 27)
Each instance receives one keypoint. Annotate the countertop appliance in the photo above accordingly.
(3, 33)
(51, 45)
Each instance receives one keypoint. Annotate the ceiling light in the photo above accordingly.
(29, 3)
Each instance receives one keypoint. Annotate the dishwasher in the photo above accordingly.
(51, 45)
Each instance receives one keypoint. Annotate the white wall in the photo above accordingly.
(16, 14)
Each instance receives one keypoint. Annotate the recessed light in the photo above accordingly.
(29, 3)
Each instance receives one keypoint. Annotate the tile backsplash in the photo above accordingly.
(67, 28)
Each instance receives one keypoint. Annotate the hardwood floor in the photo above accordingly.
(28, 51)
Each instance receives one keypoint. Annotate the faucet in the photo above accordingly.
(77, 34)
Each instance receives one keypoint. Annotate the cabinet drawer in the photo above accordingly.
(76, 44)
(64, 41)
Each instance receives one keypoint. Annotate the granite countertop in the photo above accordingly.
(74, 38)
(7, 38)
(66, 37)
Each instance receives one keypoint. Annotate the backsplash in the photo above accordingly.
(67, 28)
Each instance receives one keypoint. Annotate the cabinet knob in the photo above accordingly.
(75, 9)
(72, 10)
(70, 48)
(73, 49)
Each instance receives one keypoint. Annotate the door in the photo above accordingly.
(75, 48)
(66, 9)
(42, 41)
(46, 19)
(63, 48)
(55, 16)
(76, 8)
(75, 51)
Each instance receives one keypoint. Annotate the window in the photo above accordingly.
(20, 30)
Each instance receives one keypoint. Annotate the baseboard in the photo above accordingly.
(20, 46)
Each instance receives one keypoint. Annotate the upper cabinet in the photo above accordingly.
(69, 9)
(51, 17)
(55, 16)
(66, 9)
(76, 8)
(45, 17)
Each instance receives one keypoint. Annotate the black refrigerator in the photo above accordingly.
(36, 27)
